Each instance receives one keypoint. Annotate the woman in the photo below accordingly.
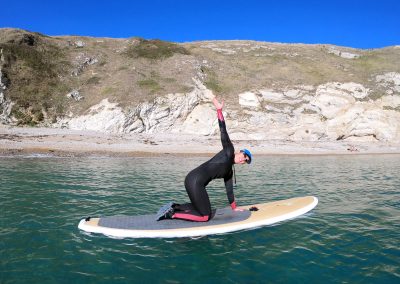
(220, 166)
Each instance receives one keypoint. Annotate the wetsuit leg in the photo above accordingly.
(199, 210)
(186, 207)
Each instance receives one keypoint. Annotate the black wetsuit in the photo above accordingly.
(220, 166)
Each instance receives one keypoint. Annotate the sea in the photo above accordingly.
(352, 236)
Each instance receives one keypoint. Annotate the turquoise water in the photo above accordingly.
(352, 236)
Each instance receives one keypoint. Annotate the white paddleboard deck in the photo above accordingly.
(225, 221)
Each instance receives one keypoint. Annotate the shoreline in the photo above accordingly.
(44, 153)
(16, 141)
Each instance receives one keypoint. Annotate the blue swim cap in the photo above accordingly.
(248, 154)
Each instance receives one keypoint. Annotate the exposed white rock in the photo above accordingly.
(234, 47)
(82, 62)
(286, 109)
(257, 119)
(2, 85)
(270, 95)
(167, 113)
(249, 99)
(330, 105)
(308, 88)
(389, 101)
(373, 122)
(5, 104)
(270, 108)
(363, 120)
(377, 123)
(306, 109)
(293, 94)
(333, 112)
(287, 97)
(358, 91)
(390, 80)
(225, 51)
(104, 117)
(79, 43)
(309, 128)
(343, 54)
(75, 95)
(335, 98)
(213, 47)
(201, 121)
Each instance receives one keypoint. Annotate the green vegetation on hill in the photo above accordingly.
(149, 84)
(212, 81)
(154, 49)
(39, 71)
(33, 67)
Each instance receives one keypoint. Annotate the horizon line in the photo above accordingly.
(201, 40)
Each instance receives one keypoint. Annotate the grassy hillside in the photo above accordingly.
(39, 70)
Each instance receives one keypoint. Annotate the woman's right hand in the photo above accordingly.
(217, 104)
(238, 210)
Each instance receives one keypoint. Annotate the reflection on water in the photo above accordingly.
(351, 236)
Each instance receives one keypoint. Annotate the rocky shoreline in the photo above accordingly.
(66, 142)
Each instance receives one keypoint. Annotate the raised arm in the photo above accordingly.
(225, 140)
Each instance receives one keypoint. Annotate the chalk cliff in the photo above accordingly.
(272, 91)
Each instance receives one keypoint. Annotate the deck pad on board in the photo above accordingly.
(148, 222)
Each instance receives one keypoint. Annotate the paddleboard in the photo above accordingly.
(224, 221)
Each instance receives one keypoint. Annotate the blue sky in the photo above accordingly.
(354, 23)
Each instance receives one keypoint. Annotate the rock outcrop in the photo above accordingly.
(5, 104)
(170, 113)
(343, 54)
(331, 111)
(391, 81)
(82, 62)
(75, 95)
(293, 92)
(104, 116)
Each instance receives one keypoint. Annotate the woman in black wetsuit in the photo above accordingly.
(220, 166)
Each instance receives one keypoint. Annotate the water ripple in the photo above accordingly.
(351, 236)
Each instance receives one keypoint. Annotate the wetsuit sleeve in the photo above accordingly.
(229, 191)
(226, 141)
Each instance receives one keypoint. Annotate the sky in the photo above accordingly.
(353, 23)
